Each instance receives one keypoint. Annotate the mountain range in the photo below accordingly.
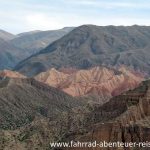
(88, 83)
(88, 45)
(16, 48)
(35, 41)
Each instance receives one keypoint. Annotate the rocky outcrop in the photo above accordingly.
(101, 81)
(125, 118)
(10, 74)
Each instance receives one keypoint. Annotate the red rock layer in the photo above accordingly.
(101, 81)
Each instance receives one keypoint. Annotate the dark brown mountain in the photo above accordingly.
(90, 45)
(34, 41)
(6, 35)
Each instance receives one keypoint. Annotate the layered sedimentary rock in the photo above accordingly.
(125, 118)
(101, 81)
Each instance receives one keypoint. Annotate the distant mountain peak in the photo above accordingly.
(28, 33)
(6, 35)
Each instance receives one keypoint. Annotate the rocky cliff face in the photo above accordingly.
(125, 118)
(100, 81)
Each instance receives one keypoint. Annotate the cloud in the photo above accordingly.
(42, 21)
(113, 4)
(24, 15)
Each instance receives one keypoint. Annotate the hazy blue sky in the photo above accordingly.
(26, 15)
